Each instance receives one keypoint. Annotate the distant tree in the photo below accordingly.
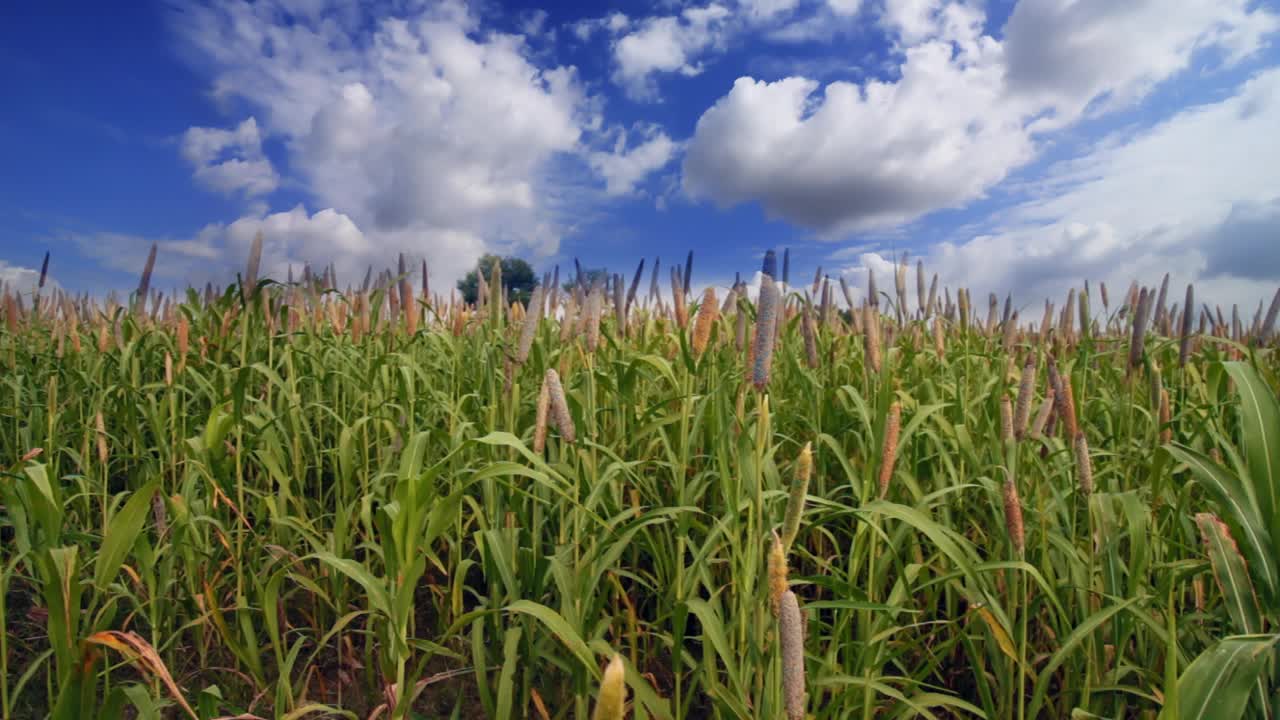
(588, 278)
(517, 277)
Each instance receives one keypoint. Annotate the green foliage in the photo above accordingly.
(517, 277)
(299, 517)
(1229, 676)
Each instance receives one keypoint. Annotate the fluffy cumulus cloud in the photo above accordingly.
(964, 109)
(418, 127)
(911, 22)
(667, 44)
(290, 242)
(19, 279)
(766, 9)
(288, 238)
(623, 168)
(849, 156)
(812, 24)
(1065, 54)
(1198, 195)
(646, 49)
(421, 130)
(613, 23)
(230, 161)
(844, 8)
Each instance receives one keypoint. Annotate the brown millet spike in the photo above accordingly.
(889, 450)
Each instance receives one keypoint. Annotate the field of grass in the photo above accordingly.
(286, 501)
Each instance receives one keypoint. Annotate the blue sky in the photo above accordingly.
(1013, 146)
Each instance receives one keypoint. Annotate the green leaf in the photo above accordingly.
(378, 598)
(506, 679)
(122, 533)
(713, 630)
(918, 418)
(1234, 502)
(1260, 427)
(140, 696)
(1233, 580)
(1260, 422)
(47, 504)
(1216, 685)
(1069, 645)
(661, 365)
(953, 545)
(75, 697)
(1230, 572)
(59, 570)
(559, 627)
(215, 431)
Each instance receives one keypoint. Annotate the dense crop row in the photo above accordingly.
(286, 501)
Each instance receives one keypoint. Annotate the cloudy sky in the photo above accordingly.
(1021, 146)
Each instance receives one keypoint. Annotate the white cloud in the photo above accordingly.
(1195, 165)
(860, 156)
(218, 250)
(666, 44)
(815, 25)
(624, 168)
(964, 110)
(1198, 195)
(911, 22)
(190, 259)
(424, 130)
(1065, 54)
(758, 10)
(1245, 244)
(534, 25)
(681, 43)
(291, 238)
(612, 24)
(845, 8)
(23, 280)
(230, 161)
